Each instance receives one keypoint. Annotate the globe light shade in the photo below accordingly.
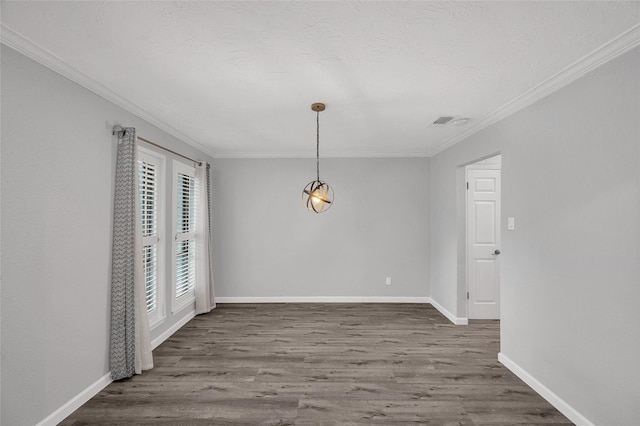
(317, 196)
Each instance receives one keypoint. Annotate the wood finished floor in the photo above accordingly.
(333, 364)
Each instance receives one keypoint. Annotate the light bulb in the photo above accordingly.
(317, 196)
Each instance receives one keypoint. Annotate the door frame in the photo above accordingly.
(461, 222)
(468, 248)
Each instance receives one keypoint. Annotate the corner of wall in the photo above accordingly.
(451, 317)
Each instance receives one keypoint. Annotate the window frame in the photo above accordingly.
(157, 316)
(179, 303)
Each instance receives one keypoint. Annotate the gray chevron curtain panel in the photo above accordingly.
(130, 346)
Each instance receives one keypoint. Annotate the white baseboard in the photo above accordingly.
(63, 412)
(454, 319)
(323, 299)
(175, 327)
(553, 399)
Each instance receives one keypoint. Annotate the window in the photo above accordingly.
(173, 256)
(184, 260)
(150, 175)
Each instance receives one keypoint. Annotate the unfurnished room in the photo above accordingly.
(320, 213)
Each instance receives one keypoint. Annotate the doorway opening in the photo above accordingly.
(483, 237)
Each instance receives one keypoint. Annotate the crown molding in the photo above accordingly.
(608, 51)
(22, 44)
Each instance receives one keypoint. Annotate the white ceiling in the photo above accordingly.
(238, 78)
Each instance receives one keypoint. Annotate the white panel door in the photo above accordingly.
(483, 243)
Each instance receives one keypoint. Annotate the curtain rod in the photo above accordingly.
(199, 163)
(118, 129)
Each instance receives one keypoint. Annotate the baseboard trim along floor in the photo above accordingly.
(323, 299)
(347, 299)
(454, 319)
(76, 402)
(175, 327)
(553, 399)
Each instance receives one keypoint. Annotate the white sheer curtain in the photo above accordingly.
(143, 350)
(205, 297)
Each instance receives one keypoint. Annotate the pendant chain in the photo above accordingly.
(318, 146)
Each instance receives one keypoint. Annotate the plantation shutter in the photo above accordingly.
(185, 234)
(148, 178)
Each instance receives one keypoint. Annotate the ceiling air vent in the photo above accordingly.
(442, 121)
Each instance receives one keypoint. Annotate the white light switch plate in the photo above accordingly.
(511, 223)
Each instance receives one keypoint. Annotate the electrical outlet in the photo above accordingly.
(388, 280)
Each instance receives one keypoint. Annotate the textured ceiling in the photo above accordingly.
(239, 77)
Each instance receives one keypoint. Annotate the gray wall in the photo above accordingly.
(58, 162)
(267, 244)
(570, 277)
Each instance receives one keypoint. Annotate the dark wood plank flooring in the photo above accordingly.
(311, 364)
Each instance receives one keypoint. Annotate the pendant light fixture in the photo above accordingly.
(317, 196)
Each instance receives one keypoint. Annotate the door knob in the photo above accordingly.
(497, 252)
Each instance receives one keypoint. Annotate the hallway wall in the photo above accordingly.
(570, 269)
